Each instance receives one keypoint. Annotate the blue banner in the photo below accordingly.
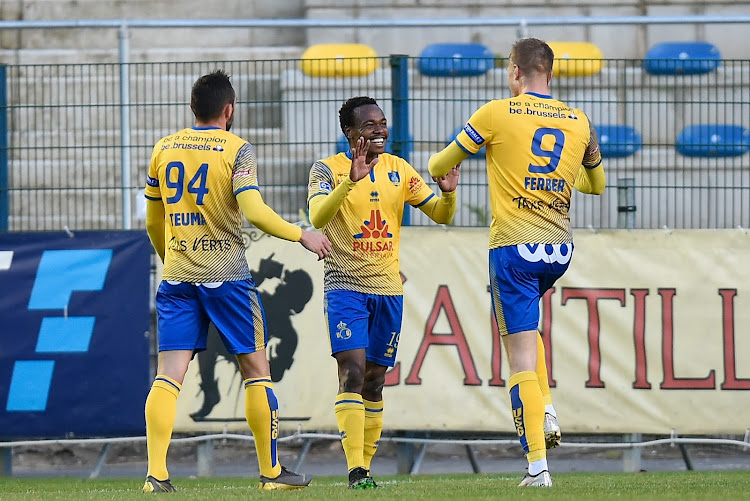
(74, 344)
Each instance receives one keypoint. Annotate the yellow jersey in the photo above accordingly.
(365, 230)
(196, 173)
(535, 148)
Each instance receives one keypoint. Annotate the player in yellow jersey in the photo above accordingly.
(538, 149)
(358, 199)
(200, 183)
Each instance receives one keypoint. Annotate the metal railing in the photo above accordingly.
(78, 137)
(77, 156)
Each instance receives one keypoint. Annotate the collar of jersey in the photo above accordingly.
(543, 96)
(206, 128)
(348, 154)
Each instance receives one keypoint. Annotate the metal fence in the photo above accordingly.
(79, 137)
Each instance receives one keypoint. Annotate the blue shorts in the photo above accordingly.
(185, 309)
(519, 277)
(370, 321)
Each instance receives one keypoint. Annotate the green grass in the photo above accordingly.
(683, 486)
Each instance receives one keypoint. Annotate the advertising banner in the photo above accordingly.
(647, 332)
(74, 340)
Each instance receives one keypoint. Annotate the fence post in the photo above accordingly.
(125, 124)
(4, 171)
(6, 462)
(626, 203)
(400, 105)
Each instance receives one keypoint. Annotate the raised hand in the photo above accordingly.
(449, 182)
(316, 243)
(360, 168)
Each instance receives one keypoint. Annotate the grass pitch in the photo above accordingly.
(682, 486)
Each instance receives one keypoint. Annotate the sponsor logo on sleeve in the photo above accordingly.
(241, 173)
(473, 134)
(325, 186)
(415, 184)
(152, 181)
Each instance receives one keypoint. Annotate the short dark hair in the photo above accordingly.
(346, 113)
(210, 94)
(532, 55)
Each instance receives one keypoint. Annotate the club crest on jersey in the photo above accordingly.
(342, 331)
(394, 177)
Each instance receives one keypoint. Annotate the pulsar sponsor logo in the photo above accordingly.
(152, 181)
(242, 173)
(374, 231)
(377, 246)
(394, 177)
(527, 203)
(415, 184)
(547, 253)
(342, 331)
(544, 183)
(187, 219)
(473, 134)
(207, 244)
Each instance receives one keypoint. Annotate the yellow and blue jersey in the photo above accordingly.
(366, 229)
(196, 173)
(535, 148)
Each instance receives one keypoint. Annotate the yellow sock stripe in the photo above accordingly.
(167, 383)
(263, 381)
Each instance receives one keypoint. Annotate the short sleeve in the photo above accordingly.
(245, 170)
(417, 191)
(153, 190)
(477, 131)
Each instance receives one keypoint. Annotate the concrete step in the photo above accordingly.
(188, 53)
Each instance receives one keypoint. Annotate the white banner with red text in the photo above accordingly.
(648, 331)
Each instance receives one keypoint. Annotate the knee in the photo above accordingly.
(351, 376)
(372, 389)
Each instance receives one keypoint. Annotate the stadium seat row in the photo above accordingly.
(616, 141)
(572, 59)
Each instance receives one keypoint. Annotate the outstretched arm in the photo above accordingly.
(442, 162)
(265, 218)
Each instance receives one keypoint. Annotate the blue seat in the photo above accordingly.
(618, 140)
(455, 60)
(713, 140)
(479, 154)
(681, 58)
(342, 145)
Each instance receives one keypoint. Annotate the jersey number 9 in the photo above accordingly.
(553, 154)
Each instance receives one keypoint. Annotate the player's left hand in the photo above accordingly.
(449, 182)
